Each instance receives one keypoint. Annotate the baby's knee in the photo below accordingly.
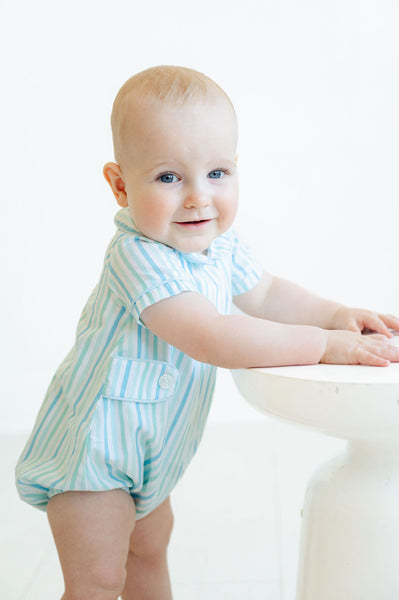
(110, 578)
(104, 583)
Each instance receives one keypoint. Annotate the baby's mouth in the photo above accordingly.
(193, 224)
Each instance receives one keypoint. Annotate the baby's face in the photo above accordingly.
(180, 172)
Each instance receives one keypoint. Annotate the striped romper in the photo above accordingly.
(125, 409)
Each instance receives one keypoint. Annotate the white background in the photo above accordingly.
(316, 89)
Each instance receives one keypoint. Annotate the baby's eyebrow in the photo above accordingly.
(231, 163)
(157, 166)
(224, 162)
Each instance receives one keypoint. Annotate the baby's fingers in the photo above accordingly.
(377, 353)
(371, 359)
(391, 352)
(390, 321)
(376, 336)
(378, 323)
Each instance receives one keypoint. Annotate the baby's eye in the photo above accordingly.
(167, 178)
(218, 174)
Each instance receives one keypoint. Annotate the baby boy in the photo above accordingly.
(125, 411)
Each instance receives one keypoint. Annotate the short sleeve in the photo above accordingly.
(143, 272)
(246, 269)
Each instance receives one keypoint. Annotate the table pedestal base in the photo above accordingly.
(350, 531)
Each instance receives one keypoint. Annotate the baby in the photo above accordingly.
(125, 411)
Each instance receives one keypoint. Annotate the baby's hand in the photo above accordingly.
(347, 348)
(358, 320)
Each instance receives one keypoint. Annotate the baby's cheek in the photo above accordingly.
(158, 216)
(228, 209)
(146, 211)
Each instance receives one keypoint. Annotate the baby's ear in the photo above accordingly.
(113, 175)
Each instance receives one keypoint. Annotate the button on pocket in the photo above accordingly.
(136, 380)
(164, 382)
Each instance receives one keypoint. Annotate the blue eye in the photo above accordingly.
(168, 178)
(218, 174)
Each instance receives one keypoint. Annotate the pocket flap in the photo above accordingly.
(136, 380)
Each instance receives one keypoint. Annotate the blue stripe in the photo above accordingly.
(93, 311)
(126, 377)
(144, 497)
(33, 485)
(34, 439)
(120, 282)
(182, 405)
(106, 445)
(102, 354)
(138, 449)
(139, 341)
(155, 267)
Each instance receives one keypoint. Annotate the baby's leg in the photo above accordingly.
(92, 532)
(147, 569)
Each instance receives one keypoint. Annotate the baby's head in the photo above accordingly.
(175, 138)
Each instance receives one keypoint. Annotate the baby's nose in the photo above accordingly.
(196, 199)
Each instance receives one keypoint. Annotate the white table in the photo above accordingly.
(350, 530)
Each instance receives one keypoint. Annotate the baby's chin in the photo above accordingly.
(190, 248)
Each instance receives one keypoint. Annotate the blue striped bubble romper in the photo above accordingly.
(125, 409)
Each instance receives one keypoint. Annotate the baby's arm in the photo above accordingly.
(191, 323)
(281, 300)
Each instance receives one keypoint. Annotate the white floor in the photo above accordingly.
(237, 517)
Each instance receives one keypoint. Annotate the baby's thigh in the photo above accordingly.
(152, 533)
(91, 532)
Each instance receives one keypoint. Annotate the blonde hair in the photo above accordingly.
(167, 84)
